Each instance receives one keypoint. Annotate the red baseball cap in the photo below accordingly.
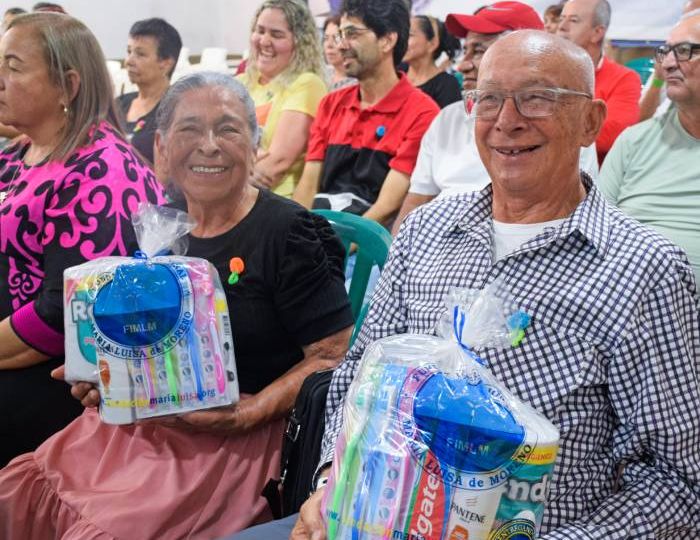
(494, 19)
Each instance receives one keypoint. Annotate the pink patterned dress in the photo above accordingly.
(52, 216)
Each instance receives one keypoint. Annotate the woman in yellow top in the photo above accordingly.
(284, 78)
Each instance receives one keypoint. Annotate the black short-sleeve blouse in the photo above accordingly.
(291, 293)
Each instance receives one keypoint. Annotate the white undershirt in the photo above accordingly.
(508, 237)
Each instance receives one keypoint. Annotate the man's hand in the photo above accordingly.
(310, 525)
(85, 392)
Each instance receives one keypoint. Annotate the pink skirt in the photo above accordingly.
(145, 481)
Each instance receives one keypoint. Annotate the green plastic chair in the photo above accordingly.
(643, 66)
(372, 242)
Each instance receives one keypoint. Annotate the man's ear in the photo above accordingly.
(599, 35)
(593, 120)
(388, 41)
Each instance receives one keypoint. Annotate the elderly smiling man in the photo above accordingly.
(611, 356)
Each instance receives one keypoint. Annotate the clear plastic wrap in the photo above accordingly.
(432, 445)
(152, 331)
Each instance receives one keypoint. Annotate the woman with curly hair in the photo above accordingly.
(284, 75)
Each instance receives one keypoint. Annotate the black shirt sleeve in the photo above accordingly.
(310, 290)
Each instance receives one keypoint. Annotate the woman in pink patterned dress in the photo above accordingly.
(67, 190)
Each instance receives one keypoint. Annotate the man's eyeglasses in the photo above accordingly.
(682, 51)
(349, 33)
(531, 102)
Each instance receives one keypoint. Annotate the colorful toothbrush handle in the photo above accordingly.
(196, 360)
(171, 376)
(147, 374)
(218, 357)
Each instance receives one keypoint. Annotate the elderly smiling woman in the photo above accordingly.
(201, 474)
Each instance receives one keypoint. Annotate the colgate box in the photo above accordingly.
(153, 334)
(433, 447)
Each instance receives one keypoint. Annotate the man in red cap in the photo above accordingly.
(448, 161)
(486, 26)
(585, 22)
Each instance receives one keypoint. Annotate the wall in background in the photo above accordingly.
(225, 23)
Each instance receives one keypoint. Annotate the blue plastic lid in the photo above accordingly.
(464, 426)
(140, 306)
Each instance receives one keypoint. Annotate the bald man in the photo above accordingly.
(585, 22)
(653, 171)
(611, 356)
(654, 101)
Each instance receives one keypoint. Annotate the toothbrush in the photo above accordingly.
(350, 464)
(205, 320)
(169, 359)
(148, 377)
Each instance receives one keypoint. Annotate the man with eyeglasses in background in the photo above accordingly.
(652, 172)
(364, 140)
(448, 160)
(654, 101)
(585, 22)
(612, 351)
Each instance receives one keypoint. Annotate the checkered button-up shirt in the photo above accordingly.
(611, 356)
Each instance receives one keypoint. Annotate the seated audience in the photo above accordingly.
(151, 55)
(67, 190)
(585, 22)
(334, 60)
(551, 17)
(427, 41)
(201, 474)
(448, 160)
(653, 171)
(365, 139)
(613, 350)
(285, 78)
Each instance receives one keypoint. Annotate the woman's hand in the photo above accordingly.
(230, 420)
(261, 177)
(85, 392)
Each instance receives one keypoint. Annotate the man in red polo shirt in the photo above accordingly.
(365, 138)
(585, 22)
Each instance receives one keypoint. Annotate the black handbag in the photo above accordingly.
(301, 447)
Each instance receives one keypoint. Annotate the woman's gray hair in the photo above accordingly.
(205, 79)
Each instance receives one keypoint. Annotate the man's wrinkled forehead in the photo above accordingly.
(685, 30)
(583, 9)
(474, 39)
(522, 65)
(347, 20)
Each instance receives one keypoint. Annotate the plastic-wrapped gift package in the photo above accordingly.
(152, 332)
(433, 446)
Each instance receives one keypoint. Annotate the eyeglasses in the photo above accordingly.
(530, 103)
(349, 33)
(682, 51)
